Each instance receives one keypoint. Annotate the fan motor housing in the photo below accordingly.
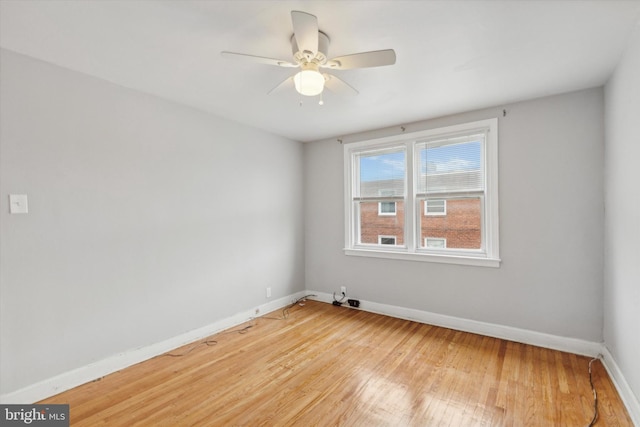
(319, 58)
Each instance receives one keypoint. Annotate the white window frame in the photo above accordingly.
(486, 256)
(380, 237)
(426, 207)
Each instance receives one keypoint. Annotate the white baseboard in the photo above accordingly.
(93, 371)
(571, 345)
(626, 394)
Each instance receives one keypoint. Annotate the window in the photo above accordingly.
(435, 207)
(429, 196)
(386, 208)
(387, 240)
(435, 242)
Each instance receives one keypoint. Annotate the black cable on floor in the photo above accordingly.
(209, 342)
(285, 311)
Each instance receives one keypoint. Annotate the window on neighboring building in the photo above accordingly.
(387, 240)
(386, 208)
(440, 182)
(435, 207)
(435, 242)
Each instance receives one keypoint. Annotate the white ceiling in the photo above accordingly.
(452, 56)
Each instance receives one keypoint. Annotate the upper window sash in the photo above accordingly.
(390, 181)
(450, 164)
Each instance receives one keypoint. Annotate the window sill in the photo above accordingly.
(444, 259)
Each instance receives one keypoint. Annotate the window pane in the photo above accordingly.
(450, 167)
(373, 225)
(460, 226)
(381, 173)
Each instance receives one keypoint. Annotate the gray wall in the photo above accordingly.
(551, 226)
(622, 223)
(146, 219)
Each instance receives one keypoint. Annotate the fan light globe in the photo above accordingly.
(309, 82)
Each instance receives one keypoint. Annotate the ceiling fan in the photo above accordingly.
(310, 47)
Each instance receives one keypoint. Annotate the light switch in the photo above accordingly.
(18, 204)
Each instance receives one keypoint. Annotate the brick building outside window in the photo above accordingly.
(459, 226)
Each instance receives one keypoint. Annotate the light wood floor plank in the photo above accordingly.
(327, 366)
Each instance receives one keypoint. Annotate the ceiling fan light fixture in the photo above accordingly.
(309, 81)
(309, 47)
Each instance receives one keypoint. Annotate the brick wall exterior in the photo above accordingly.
(460, 226)
(373, 225)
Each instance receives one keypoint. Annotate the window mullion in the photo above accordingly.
(409, 200)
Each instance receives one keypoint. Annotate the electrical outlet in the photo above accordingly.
(268, 292)
(343, 289)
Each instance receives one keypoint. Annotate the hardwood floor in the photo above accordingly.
(326, 366)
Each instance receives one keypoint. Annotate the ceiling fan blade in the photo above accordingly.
(305, 30)
(285, 83)
(374, 58)
(258, 59)
(338, 86)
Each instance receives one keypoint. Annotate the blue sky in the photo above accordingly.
(446, 158)
(382, 166)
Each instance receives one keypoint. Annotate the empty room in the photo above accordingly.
(319, 213)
